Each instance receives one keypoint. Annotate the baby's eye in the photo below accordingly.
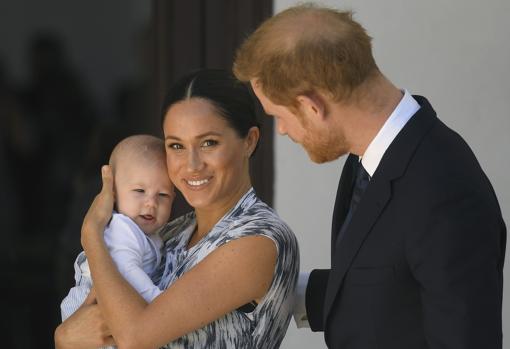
(138, 190)
(164, 195)
(209, 143)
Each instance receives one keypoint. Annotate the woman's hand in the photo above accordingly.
(100, 211)
(85, 329)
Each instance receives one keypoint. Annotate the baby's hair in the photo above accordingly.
(140, 148)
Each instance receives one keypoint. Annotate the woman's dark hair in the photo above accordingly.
(230, 97)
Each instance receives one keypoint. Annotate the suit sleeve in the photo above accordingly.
(315, 295)
(457, 258)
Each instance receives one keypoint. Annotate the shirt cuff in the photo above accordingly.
(300, 316)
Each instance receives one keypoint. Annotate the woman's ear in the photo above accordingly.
(251, 140)
(313, 105)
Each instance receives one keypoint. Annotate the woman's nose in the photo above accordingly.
(195, 162)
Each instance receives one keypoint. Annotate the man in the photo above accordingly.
(418, 240)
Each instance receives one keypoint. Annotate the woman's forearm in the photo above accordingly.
(119, 302)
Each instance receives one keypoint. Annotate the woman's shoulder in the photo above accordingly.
(262, 213)
(260, 219)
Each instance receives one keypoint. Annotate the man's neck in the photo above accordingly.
(365, 119)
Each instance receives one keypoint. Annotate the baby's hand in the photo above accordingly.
(100, 211)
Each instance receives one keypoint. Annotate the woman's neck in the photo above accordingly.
(208, 217)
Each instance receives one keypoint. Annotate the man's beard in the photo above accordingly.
(321, 145)
(323, 149)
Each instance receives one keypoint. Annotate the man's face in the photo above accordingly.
(320, 142)
(287, 123)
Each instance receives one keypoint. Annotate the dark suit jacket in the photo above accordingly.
(421, 262)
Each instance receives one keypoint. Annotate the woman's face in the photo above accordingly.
(207, 160)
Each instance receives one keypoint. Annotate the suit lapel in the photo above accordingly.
(376, 197)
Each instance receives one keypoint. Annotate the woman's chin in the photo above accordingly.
(197, 200)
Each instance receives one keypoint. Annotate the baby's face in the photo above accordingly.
(144, 193)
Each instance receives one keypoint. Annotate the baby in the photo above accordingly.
(143, 200)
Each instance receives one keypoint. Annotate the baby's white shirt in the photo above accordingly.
(136, 254)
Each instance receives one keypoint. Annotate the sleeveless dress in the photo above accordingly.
(266, 325)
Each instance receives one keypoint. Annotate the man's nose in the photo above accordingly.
(280, 127)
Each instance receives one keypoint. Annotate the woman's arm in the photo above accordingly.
(234, 274)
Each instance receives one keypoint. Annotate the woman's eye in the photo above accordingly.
(209, 143)
(175, 146)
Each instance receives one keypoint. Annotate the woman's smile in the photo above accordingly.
(197, 184)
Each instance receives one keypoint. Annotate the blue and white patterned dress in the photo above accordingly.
(265, 326)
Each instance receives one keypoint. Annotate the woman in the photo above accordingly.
(231, 265)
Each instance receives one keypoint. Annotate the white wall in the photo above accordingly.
(457, 54)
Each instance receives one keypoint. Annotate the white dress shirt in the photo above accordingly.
(370, 160)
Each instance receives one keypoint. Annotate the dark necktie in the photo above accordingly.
(360, 185)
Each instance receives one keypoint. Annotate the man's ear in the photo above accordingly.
(312, 104)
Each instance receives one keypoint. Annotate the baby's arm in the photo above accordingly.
(133, 255)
